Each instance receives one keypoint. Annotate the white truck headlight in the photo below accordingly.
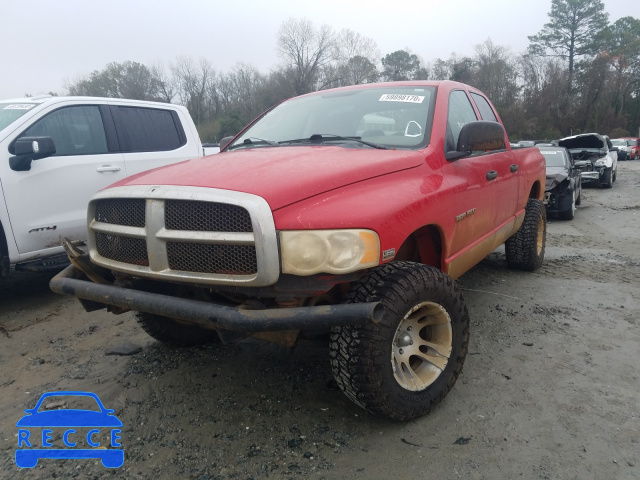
(307, 252)
(601, 162)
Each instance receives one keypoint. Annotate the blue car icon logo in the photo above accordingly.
(87, 433)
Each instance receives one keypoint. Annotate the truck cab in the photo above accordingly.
(56, 152)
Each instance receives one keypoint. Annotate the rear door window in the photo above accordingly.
(149, 129)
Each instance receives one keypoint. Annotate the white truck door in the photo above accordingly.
(50, 200)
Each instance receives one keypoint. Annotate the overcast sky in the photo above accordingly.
(44, 43)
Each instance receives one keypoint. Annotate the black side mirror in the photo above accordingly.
(226, 141)
(27, 149)
(478, 136)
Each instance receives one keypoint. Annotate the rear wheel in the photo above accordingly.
(525, 249)
(173, 332)
(404, 365)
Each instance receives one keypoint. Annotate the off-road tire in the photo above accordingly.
(174, 333)
(362, 357)
(525, 249)
(607, 178)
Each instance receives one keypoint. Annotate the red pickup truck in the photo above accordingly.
(350, 211)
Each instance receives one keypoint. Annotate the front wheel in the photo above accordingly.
(403, 366)
(570, 212)
(525, 249)
(607, 178)
(173, 332)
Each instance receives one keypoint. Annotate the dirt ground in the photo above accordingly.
(550, 388)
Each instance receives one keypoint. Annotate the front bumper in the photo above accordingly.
(591, 176)
(71, 281)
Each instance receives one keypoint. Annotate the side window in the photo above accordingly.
(484, 108)
(460, 113)
(75, 130)
(151, 129)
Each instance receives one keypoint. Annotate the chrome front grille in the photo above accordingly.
(185, 234)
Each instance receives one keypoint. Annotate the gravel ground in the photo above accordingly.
(549, 389)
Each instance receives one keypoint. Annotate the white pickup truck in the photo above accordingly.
(56, 152)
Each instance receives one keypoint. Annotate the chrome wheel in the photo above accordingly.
(422, 346)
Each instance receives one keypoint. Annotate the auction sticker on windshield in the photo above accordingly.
(396, 97)
(52, 429)
(19, 106)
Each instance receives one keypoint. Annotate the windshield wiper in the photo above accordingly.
(318, 137)
(253, 141)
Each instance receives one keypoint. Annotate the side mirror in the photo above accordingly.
(478, 136)
(27, 149)
(226, 141)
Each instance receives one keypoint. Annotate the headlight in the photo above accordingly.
(306, 252)
(601, 162)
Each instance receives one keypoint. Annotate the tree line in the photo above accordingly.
(580, 73)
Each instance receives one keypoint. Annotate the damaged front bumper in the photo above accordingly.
(94, 296)
(592, 176)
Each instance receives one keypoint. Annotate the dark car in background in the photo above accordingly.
(563, 185)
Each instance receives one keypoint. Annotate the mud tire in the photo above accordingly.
(174, 333)
(362, 356)
(525, 249)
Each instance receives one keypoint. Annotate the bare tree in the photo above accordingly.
(496, 73)
(196, 87)
(305, 50)
(355, 57)
(167, 83)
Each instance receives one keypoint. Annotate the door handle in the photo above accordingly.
(514, 168)
(108, 168)
(492, 175)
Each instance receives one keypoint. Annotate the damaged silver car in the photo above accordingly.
(563, 186)
(595, 157)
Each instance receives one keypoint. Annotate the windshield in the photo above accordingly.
(384, 117)
(9, 112)
(618, 143)
(554, 158)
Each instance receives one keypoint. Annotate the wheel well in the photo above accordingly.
(535, 191)
(423, 246)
